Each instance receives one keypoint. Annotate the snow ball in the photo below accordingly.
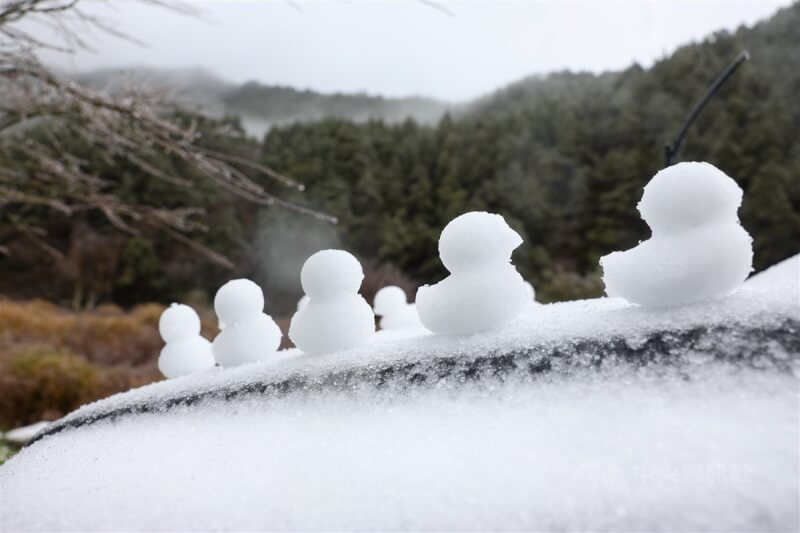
(331, 272)
(247, 340)
(186, 356)
(302, 302)
(178, 321)
(336, 316)
(688, 195)
(326, 326)
(698, 249)
(530, 291)
(477, 237)
(388, 299)
(237, 299)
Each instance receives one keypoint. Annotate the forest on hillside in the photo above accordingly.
(563, 157)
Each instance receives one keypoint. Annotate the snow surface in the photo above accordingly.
(23, 434)
(336, 317)
(784, 274)
(597, 451)
(483, 290)
(557, 325)
(697, 250)
(711, 446)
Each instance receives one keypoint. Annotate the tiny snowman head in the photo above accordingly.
(688, 195)
(389, 299)
(477, 238)
(177, 322)
(238, 299)
(331, 272)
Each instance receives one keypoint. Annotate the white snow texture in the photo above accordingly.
(249, 333)
(484, 290)
(185, 352)
(336, 317)
(394, 310)
(697, 250)
(710, 447)
(599, 452)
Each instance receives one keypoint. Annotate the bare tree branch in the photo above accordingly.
(135, 125)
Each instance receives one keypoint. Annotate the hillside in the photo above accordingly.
(562, 156)
(260, 106)
(565, 157)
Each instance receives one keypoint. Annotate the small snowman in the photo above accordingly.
(394, 310)
(336, 317)
(186, 352)
(302, 302)
(530, 292)
(249, 334)
(484, 290)
(698, 248)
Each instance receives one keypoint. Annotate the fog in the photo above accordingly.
(451, 50)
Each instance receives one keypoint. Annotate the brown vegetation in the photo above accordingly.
(53, 360)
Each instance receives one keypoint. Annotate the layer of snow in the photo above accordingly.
(23, 434)
(698, 249)
(784, 274)
(483, 290)
(609, 451)
(712, 446)
(558, 325)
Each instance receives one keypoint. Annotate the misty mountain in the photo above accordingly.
(773, 43)
(260, 106)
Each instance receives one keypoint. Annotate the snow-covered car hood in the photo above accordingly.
(581, 415)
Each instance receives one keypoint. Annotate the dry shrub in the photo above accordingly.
(563, 285)
(147, 314)
(42, 382)
(106, 335)
(52, 360)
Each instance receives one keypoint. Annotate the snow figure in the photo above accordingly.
(186, 352)
(484, 290)
(697, 250)
(249, 334)
(336, 316)
(531, 292)
(302, 302)
(394, 310)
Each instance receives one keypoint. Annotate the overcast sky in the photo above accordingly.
(452, 50)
